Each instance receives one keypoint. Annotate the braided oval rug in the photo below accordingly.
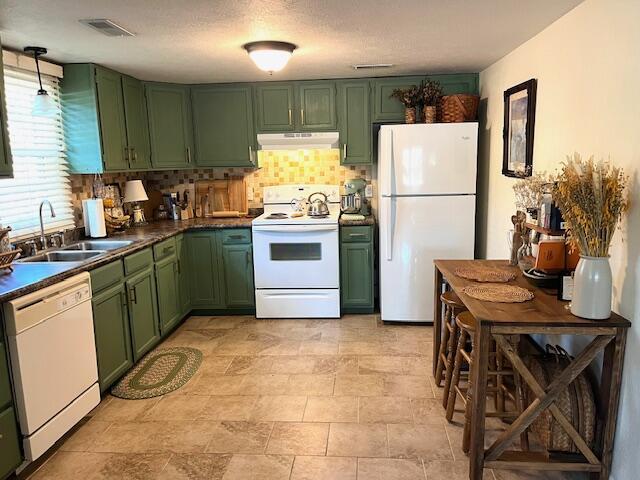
(161, 371)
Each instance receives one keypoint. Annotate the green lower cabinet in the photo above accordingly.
(184, 290)
(10, 455)
(113, 340)
(143, 312)
(356, 270)
(204, 270)
(238, 275)
(167, 287)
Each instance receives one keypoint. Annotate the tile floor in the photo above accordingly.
(282, 399)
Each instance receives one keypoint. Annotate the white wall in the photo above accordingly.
(588, 69)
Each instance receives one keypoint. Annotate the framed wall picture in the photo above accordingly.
(519, 124)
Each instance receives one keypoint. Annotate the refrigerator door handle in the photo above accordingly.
(391, 224)
(392, 167)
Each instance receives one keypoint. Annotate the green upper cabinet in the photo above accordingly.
(316, 106)
(274, 107)
(137, 124)
(386, 109)
(105, 120)
(354, 122)
(143, 312)
(170, 128)
(115, 154)
(223, 126)
(6, 166)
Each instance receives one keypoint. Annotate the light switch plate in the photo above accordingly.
(368, 191)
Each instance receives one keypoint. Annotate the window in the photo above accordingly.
(39, 164)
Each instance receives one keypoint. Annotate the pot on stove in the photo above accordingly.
(318, 207)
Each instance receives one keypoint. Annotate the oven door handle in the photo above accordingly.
(295, 228)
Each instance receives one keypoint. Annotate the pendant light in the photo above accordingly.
(270, 56)
(43, 104)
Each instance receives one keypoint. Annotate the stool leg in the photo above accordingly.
(493, 379)
(451, 353)
(466, 435)
(455, 379)
(443, 344)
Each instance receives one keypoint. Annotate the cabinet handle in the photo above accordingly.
(188, 155)
(251, 155)
(135, 154)
(302, 116)
(127, 155)
(236, 237)
(344, 151)
(178, 266)
(132, 295)
(290, 122)
(167, 249)
(352, 235)
(247, 256)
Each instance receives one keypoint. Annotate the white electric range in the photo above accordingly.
(296, 257)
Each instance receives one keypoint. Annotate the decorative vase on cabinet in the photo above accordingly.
(410, 115)
(592, 288)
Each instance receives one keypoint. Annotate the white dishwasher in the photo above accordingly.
(53, 360)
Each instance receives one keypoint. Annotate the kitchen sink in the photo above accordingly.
(64, 256)
(99, 245)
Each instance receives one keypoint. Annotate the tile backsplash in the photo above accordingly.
(276, 168)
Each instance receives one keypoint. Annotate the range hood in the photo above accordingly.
(297, 140)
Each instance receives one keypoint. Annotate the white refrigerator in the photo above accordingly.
(427, 205)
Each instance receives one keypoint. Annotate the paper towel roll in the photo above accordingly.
(93, 212)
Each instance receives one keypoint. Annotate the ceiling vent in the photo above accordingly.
(369, 66)
(107, 27)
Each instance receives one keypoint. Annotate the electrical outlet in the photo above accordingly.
(250, 194)
(368, 191)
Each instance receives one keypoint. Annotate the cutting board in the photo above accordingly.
(221, 198)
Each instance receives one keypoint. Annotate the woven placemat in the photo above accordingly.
(485, 274)
(492, 292)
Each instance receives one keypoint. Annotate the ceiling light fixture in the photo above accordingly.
(270, 56)
(43, 104)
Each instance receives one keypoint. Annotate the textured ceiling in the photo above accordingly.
(199, 41)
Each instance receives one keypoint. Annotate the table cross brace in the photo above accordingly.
(545, 398)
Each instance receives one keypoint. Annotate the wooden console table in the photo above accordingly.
(545, 314)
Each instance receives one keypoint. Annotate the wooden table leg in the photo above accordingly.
(478, 401)
(437, 317)
(610, 398)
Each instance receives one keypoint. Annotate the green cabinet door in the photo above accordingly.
(5, 382)
(385, 108)
(238, 275)
(354, 122)
(223, 126)
(111, 113)
(356, 269)
(167, 287)
(6, 166)
(113, 340)
(205, 270)
(184, 291)
(274, 107)
(317, 106)
(170, 128)
(143, 312)
(10, 456)
(137, 124)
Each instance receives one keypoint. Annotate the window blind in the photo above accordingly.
(40, 168)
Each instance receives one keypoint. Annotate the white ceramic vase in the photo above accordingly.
(592, 288)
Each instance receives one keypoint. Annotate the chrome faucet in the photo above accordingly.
(43, 239)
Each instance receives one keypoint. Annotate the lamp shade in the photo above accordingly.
(134, 192)
(44, 105)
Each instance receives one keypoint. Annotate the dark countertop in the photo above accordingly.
(29, 277)
(368, 221)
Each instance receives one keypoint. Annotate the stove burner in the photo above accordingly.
(277, 216)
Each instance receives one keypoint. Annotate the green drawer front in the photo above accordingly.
(357, 234)
(138, 261)
(5, 384)
(10, 456)
(106, 276)
(164, 249)
(236, 235)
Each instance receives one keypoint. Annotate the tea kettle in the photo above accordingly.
(318, 207)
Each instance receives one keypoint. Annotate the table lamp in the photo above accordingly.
(134, 193)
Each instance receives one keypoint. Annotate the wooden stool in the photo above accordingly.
(452, 307)
(466, 323)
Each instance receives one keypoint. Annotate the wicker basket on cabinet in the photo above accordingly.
(457, 108)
